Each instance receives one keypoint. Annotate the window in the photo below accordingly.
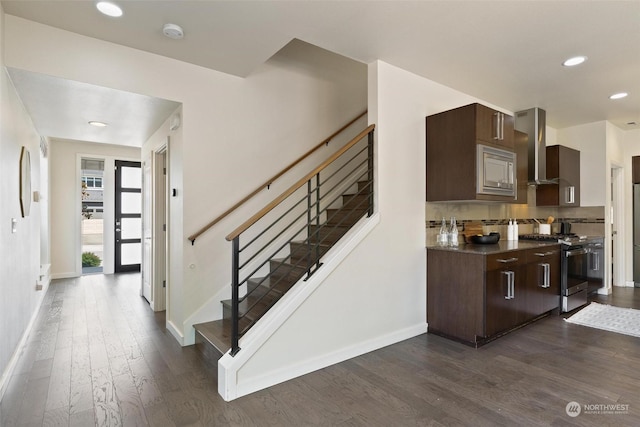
(92, 181)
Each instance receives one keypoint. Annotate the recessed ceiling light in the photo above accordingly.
(576, 60)
(109, 9)
(618, 95)
(98, 124)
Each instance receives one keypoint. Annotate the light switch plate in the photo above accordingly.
(14, 225)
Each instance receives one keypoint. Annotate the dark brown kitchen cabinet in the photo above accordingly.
(543, 273)
(563, 165)
(493, 126)
(635, 169)
(494, 293)
(506, 291)
(452, 139)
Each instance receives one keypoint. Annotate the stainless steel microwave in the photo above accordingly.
(496, 171)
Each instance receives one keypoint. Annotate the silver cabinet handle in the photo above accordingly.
(595, 261)
(510, 284)
(499, 135)
(545, 253)
(513, 284)
(508, 260)
(546, 275)
(569, 194)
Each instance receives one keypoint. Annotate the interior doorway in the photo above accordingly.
(92, 196)
(155, 229)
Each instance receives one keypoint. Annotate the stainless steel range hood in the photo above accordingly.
(533, 123)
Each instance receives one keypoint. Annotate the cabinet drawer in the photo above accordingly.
(544, 254)
(507, 260)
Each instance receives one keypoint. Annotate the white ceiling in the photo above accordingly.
(62, 109)
(508, 53)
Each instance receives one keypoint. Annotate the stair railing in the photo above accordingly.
(306, 213)
(270, 181)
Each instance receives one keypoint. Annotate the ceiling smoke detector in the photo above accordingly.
(173, 31)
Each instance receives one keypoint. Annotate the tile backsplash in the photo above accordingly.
(495, 217)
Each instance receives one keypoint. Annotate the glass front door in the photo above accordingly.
(128, 216)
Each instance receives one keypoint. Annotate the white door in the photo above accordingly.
(147, 245)
(160, 229)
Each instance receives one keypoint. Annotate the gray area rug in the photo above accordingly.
(609, 318)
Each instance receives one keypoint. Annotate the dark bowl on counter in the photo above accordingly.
(486, 239)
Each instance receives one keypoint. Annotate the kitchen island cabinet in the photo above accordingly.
(476, 293)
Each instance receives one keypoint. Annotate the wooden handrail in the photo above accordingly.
(268, 183)
(248, 223)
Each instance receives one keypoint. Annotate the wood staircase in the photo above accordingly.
(214, 338)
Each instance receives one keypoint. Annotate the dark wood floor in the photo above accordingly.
(99, 356)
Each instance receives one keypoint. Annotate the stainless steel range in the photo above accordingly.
(582, 266)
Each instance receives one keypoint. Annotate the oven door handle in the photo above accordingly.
(576, 252)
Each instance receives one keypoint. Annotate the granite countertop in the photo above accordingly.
(501, 246)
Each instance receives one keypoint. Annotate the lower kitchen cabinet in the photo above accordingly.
(505, 291)
(475, 295)
(543, 273)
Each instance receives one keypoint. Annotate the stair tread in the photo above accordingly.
(216, 333)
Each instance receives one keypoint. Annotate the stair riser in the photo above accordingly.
(300, 252)
(344, 217)
(355, 202)
(257, 308)
(327, 234)
(288, 272)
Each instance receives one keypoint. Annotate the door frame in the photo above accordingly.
(117, 266)
(108, 209)
(160, 226)
(616, 257)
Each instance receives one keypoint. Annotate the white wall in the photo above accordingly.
(631, 147)
(173, 141)
(20, 251)
(590, 140)
(65, 201)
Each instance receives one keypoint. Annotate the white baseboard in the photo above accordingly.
(175, 332)
(68, 275)
(629, 284)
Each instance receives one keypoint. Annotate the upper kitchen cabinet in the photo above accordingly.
(470, 156)
(492, 126)
(635, 169)
(563, 165)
